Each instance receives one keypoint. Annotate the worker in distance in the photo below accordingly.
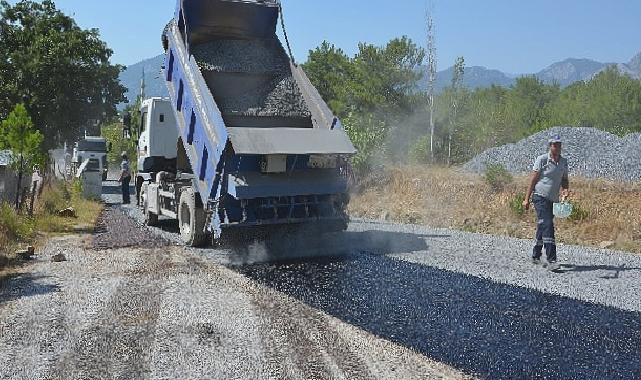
(125, 178)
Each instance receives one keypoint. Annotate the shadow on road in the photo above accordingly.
(299, 245)
(113, 188)
(19, 285)
(615, 270)
(493, 330)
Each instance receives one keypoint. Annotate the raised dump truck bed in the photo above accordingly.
(253, 83)
(263, 148)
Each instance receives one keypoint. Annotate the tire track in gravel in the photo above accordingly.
(299, 342)
(116, 345)
(302, 339)
(289, 351)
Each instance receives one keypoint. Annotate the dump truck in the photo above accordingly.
(94, 149)
(256, 144)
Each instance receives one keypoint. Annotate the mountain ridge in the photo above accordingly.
(564, 73)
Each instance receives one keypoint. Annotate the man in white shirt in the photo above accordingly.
(549, 180)
(125, 178)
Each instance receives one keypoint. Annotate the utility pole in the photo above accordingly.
(142, 85)
(457, 80)
(431, 73)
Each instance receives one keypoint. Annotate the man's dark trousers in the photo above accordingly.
(545, 228)
(126, 199)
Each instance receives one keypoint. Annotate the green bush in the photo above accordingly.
(516, 204)
(118, 144)
(579, 212)
(55, 197)
(76, 188)
(64, 190)
(497, 177)
(368, 136)
(13, 225)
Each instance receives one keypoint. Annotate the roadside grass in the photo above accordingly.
(606, 212)
(20, 230)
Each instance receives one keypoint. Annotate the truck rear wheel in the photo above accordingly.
(191, 220)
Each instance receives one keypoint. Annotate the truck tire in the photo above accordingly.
(151, 219)
(191, 220)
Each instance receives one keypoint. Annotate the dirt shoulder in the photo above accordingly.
(449, 198)
(58, 209)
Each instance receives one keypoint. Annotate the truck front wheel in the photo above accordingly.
(151, 219)
(191, 220)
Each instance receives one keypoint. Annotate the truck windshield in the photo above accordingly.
(93, 165)
(92, 146)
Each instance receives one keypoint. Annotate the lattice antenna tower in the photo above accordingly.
(431, 71)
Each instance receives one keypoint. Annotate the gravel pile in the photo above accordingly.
(279, 97)
(591, 153)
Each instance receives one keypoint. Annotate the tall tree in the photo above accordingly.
(377, 88)
(382, 80)
(525, 105)
(18, 135)
(61, 71)
(331, 71)
(386, 78)
(610, 101)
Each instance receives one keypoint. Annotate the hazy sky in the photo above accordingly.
(513, 36)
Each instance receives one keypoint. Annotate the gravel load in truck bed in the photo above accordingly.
(591, 153)
(279, 97)
(241, 56)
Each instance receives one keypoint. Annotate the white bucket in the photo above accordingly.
(562, 210)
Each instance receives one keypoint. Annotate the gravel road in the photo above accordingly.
(116, 310)
(378, 301)
(163, 313)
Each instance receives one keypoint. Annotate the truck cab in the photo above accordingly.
(157, 145)
(94, 149)
(157, 141)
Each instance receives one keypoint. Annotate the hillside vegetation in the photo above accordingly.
(378, 95)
